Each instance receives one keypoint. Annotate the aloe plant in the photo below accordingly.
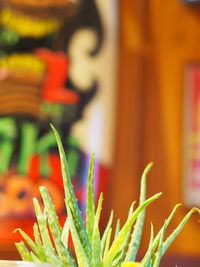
(92, 249)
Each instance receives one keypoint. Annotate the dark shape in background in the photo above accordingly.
(87, 17)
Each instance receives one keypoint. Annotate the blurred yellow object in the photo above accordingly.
(131, 264)
(23, 62)
(27, 26)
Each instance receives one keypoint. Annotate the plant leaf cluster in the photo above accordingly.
(51, 241)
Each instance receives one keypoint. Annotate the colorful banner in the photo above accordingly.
(57, 65)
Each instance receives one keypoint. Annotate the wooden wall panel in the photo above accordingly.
(156, 39)
(128, 147)
(175, 31)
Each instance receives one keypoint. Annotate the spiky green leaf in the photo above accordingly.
(121, 255)
(42, 223)
(65, 233)
(82, 258)
(48, 203)
(63, 252)
(149, 253)
(96, 241)
(118, 243)
(157, 238)
(52, 258)
(160, 247)
(71, 199)
(35, 258)
(137, 233)
(107, 245)
(28, 240)
(90, 201)
(23, 251)
(117, 229)
(174, 234)
(105, 234)
(38, 242)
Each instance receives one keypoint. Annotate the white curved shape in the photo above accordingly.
(82, 68)
(103, 67)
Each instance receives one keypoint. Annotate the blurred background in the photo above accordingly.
(157, 114)
(118, 78)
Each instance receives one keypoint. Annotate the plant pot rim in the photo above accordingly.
(10, 263)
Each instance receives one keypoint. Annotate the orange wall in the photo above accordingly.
(156, 39)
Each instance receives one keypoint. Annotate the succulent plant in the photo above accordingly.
(91, 249)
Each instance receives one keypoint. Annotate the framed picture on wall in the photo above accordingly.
(191, 161)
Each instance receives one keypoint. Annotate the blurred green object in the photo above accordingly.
(8, 37)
